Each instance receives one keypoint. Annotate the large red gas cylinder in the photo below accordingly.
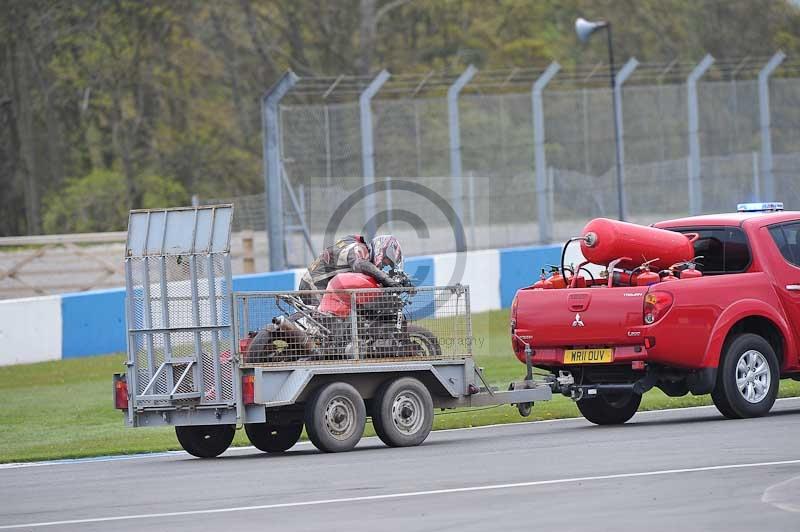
(607, 240)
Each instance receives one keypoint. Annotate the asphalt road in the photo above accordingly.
(675, 470)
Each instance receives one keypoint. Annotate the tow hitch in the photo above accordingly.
(565, 384)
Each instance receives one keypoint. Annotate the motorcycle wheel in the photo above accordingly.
(423, 342)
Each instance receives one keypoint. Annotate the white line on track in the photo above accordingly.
(144, 456)
(402, 495)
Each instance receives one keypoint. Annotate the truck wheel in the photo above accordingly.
(747, 378)
(335, 417)
(205, 441)
(611, 409)
(273, 438)
(403, 413)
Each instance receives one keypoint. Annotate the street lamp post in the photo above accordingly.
(584, 29)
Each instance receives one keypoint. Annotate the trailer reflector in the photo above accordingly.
(120, 392)
(244, 344)
(248, 389)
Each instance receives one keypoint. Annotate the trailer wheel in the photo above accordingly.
(335, 417)
(610, 409)
(747, 378)
(205, 441)
(273, 438)
(403, 415)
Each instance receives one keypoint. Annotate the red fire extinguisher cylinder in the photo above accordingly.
(606, 240)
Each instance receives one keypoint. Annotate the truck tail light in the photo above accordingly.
(120, 392)
(656, 304)
(249, 389)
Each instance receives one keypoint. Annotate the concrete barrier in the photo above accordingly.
(30, 330)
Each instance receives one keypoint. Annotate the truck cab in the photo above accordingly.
(731, 332)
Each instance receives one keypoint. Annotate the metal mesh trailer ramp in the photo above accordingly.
(209, 360)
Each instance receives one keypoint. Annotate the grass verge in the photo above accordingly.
(64, 409)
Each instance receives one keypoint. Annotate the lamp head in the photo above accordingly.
(584, 28)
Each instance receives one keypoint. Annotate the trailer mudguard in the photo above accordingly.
(745, 308)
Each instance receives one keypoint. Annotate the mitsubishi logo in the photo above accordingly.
(578, 321)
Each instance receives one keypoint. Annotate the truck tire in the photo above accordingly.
(747, 378)
(403, 412)
(335, 417)
(610, 409)
(205, 441)
(273, 438)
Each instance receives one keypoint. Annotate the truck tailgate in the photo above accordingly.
(579, 317)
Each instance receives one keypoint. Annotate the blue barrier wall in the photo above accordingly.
(421, 270)
(92, 323)
(265, 282)
(522, 266)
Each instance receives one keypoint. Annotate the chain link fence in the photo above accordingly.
(322, 157)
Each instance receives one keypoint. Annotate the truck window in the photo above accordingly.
(724, 250)
(787, 239)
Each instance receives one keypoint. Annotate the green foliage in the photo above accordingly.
(88, 204)
(162, 191)
(172, 88)
(96, 202)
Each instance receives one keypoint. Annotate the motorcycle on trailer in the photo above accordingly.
(304, 331)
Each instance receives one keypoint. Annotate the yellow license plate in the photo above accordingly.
(588, 356)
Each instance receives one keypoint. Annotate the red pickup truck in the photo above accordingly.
(732, 332)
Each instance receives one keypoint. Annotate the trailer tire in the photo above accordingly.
(335, 417)
(403, 412)
(748, 360)
(205, 441)
(273, 438)
(610, 410)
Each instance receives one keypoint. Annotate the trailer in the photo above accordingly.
(208, 359)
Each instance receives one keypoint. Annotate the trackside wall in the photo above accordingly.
(93, 323)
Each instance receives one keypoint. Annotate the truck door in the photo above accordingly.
(786, 271)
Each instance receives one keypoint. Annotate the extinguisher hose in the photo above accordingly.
(564, 255)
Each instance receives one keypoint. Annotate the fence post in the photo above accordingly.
(471, 202)
(767, 178)
(621, 77)
(389, 205)
(539, 157)
(248, 259)
(695, 186)
(270, 125)
(368, 149)
(756, 177)
(328, 166)
(455, 138)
